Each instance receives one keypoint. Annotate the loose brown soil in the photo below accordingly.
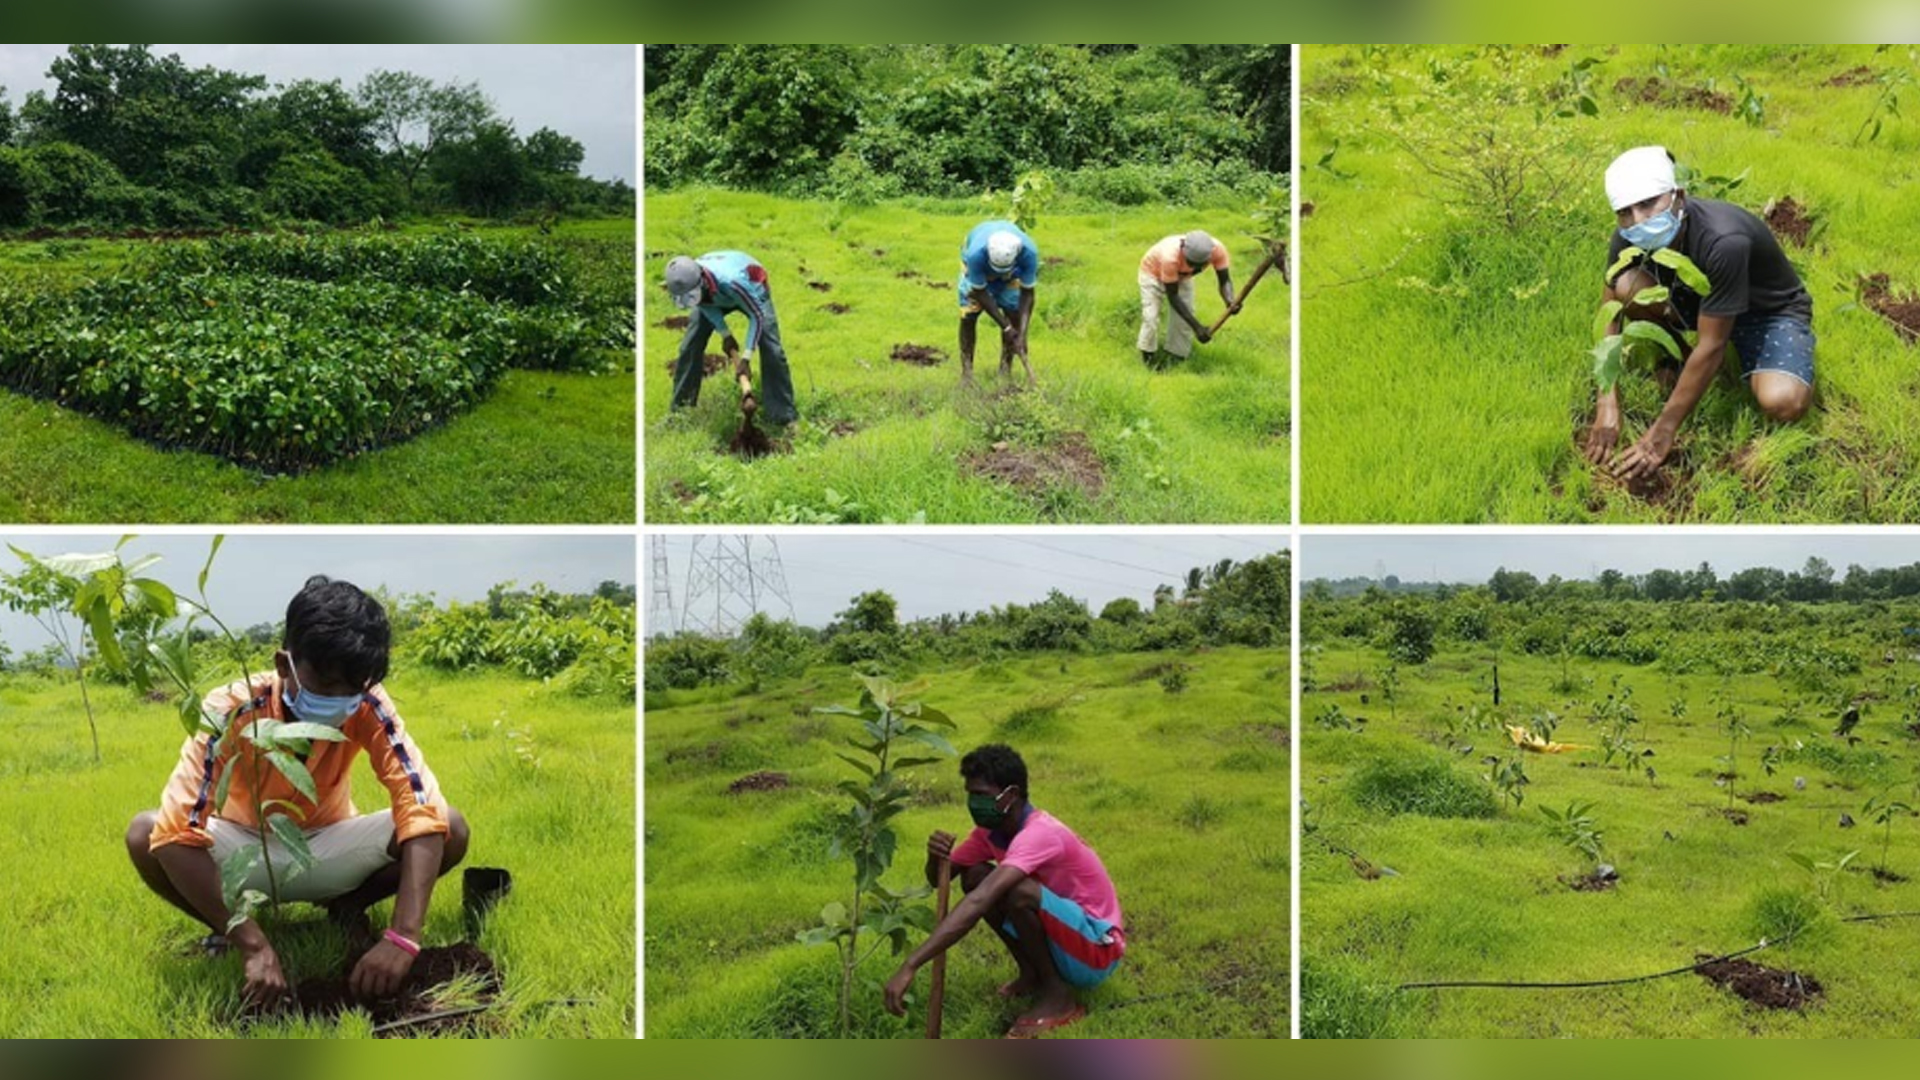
(329, 997)
(1591, 882)
(1859, 76)
(820, 286)
(1888, 877)
(1902, 310)
(760, 781)
(836, 309)
(1738, 817)
(938, 286)
(1765, 798)
(919, 355)
(1068, 461)
(1789, 220)
(1664, 94)
(1766, 987)
(675, 322)
(750, 442)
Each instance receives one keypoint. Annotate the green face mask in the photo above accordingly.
(985, 810)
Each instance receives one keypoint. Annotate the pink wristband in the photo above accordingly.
(395, 939)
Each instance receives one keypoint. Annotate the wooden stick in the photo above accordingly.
(1259, 272)
(937, 997)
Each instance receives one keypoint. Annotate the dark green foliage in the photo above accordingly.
(1778, 914)
(1423, 784)
(291, 352)
(1409, 634)
(1338, 1002)
(310, 185)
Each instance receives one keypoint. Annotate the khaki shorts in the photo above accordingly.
(344, 856)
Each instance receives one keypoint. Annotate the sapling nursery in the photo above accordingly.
(1751, 830)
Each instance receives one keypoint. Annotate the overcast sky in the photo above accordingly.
(939, 574)
(582, 91)
(1474, 558)
(255, 575)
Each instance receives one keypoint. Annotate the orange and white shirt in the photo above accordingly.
(1167, 264)
(186, 806)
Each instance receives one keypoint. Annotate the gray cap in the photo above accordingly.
(684, 278)
(1197, 247)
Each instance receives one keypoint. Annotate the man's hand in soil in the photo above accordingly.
(1644, 458)
(380, 972)
(266, 986)
(1606, 428)
(897, 988)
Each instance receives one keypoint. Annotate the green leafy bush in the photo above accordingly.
(1424, 784)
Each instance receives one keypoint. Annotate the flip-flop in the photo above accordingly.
(1033, 1029)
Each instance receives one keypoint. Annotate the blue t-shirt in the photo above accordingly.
(980, 273)
(740, 284)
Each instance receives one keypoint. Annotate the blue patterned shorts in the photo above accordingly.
(1774, 343)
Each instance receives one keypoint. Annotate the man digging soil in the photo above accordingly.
(999, 267)
(1039, 886)
(1166, 281)
(1756, 303)
(712, 287)
(328, 672)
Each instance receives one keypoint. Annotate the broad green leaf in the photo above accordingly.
(159, 598)
(857, 763)
(879, 689)
(264, 732)
(914, 763)
(1653, 332)
(133, 568)
(234, 871)
(1627, 258)
(295, 840)
(310, 732)
(1689, 273)
(1603, 322)
(207, 569)
(857, 792)
(1652, 294)
(245, 907)
(834, 914)
(76, 566)
(937, 718)
(106, 641)
(221, 789)
(1606, 362)
(297, 775)
(929, 739)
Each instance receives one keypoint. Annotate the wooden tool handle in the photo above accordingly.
(937, 996)
(1259, 272)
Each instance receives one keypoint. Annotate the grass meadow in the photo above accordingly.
(1183, 795)
(1444, 357)
(880, 440)
(92, 953)
(544, 447)
(1461, 885)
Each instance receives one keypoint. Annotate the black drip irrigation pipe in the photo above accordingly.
(469, 1010)
(1594, 983)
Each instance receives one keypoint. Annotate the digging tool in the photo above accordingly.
(937, 997)
(1276, 256)
(749, 442)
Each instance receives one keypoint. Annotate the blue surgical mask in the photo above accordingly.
(320, 709)
(1657, 231)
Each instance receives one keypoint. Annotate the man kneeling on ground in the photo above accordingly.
(328, 671)
(1040, 887)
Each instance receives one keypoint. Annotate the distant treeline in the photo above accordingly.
(1814, 583)
(1130, 124)
(132, 139)
(1228, 603)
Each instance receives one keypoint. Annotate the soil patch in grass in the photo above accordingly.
(713, 365)
(750, 442)
(836, 309)
(1666, 94)
(674, 322)
(420, 997)
(1595, 881)
(1859, 76)
(1902, 310)
(820, 286)
(1769, 988)
(1789, 220)
(1068, 461)
(1738, 817)
(919, 355)
(1888, 877)
(760, 781)
(1764, 798)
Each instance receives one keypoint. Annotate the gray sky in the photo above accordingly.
(941, 573)
(1474, 558)
(582, 91)
(255, 575)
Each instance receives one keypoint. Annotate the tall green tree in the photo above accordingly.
(414, 118)
(143, 112)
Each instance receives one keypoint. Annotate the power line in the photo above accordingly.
(1130, 586)
(1095, 558)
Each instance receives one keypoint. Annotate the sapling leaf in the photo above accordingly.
(133, 568)
(290, 767)
(294, 840)
(929, 739)
(934, 716)
(908, 763)
(857, 763)
(1627, 258)
(206, 569)
(1646, 331)
(225, 785)
(1690, 274)
(245, 906)
(1603, 322)
(310, 732)
(1652, 294)
(1607, 360)
(159, 598)
(74, 566)
(234, 871)
(106, 639)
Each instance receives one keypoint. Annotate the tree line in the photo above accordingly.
(128, 138)
(1816, 582)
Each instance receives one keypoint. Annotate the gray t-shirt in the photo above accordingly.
(1743, 261)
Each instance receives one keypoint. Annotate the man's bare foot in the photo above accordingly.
(1055, 1010)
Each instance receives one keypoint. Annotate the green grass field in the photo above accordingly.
(1444, 363)
(1481, 898)
(1184, 796)
(543, 448)
(91, 953)
(880, 440)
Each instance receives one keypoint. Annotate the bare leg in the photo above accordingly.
(1052, 996)
(1024, 983)
(1782, 397)
(139, 835)
(969, 337)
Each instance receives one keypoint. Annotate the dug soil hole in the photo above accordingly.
(1902, 310)
(760, 781)
(1859, 76)
(919, 355)
(674, 322)
(1068, 461)
(820, 286)
(1769, 988)
(750, 443)
(1603, 880)
(442, 980)
(836, 309)
(1789, 220)
(1764, 798)
(1665, 94)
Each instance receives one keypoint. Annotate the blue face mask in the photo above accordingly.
(320, 709)
(1657, 231)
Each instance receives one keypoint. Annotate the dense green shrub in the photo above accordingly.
(1423, 784)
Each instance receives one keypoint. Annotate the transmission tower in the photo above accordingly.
(660, 618)
(729, 580)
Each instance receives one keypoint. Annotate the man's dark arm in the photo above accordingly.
(1226, 289)
(959, 922)
(1647, 455)
(196, 877)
